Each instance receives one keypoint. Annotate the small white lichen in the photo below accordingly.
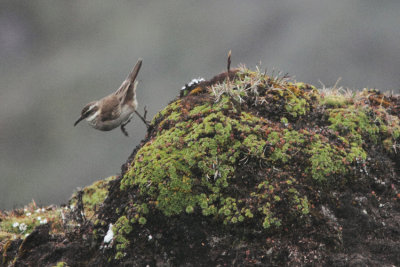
(23, 227)
(364, 211)
(193, 82)
(110, 234)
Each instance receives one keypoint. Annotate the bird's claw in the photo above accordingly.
(124, 130)
(143, 118)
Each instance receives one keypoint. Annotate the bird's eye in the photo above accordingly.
(89, 110)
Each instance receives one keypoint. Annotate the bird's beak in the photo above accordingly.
(81, 118)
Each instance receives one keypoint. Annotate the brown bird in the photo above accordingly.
(115, 109)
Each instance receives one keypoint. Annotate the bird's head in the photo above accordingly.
(89, 112)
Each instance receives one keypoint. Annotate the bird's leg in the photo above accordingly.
(123, 128)
(143, 118)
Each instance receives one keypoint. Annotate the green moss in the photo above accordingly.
(189, 209)
(300, 98)
(203, 153)
(284, 144)
(61, 264)
(389, 127)
(121, 229)
(96, 193)
(296, 106)
(284, 120)
(336, 101)
(93, 196)
(354, 123)
(325, 161)
(172, 108)
(142, 220)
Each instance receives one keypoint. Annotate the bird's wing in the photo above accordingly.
(127, 90)
(130, 93)
(110, 108)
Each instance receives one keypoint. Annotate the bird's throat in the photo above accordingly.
(92, 119)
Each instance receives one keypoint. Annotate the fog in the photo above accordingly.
(56, 56)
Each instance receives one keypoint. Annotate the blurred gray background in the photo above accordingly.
(56, 56)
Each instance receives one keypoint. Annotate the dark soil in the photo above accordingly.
(356, 230)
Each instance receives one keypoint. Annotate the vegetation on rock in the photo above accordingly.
(275, 129)
(245, 164)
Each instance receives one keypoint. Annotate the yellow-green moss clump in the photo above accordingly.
(93, 196)
(61, 264)
(247, 150)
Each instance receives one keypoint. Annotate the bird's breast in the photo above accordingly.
(126, 114)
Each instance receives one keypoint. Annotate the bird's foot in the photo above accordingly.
(123, 129)
(143, 118)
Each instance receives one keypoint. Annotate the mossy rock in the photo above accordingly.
(252, 150)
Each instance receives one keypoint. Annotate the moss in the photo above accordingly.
(121, 229)
(96, 193)
(61, 264)
(357, 125)
(271, 95)
(362, 123)
(172, 108)
(336, 101)
(325, 161)
(296, 106)
(354, 123)
(284, 144)
(93, 196)
(389, 128)
(175, 168)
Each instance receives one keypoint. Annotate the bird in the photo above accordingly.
(117, 108)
